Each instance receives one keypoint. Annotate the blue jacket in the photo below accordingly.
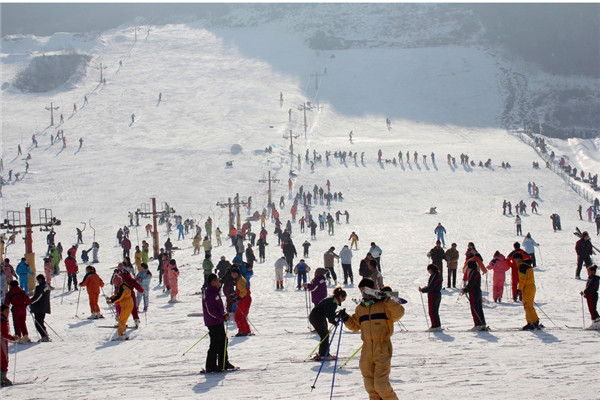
(23, 269)
(301, 268)
(439, 230)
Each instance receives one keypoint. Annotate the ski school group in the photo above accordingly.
(375, 315)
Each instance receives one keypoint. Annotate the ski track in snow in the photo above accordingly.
(219, 91)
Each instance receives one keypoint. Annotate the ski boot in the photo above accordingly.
(5, 381)
(529, 327)
(137, 323)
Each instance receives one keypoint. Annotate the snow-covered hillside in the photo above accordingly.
(221, 87)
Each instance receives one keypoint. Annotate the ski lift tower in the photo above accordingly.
(12, 222)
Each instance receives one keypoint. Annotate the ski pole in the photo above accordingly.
(15, 370)
(424, 312)
(194, 345)
(247, 319)
(315, 349)
(336, 359)
(226, 342)
(325, 356)
(351, 357)
(103, 294)
(34, 323)
(63, 293)
(541, 258)
(402, 325)
(78, 297)
(54, 332)
(543, 312)
(582, 313)
(307, 307)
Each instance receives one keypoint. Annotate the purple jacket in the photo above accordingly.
(212, 306)
(318, 289)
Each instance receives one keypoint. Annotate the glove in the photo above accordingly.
(343, 315)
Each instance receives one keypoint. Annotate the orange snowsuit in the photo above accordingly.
(93, 283)
(376, 323)
(527, 288)
(123, 297)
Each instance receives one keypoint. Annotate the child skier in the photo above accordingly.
(48, 270)
(318, 286)
(499, 265)
(123, 297)
(301, 270)
(306, 246)
(323, 312)
(434, 297)
(473, 292)
(144, 277)
(243, 300)
(375, 317)
(92, 281)
(591, 294)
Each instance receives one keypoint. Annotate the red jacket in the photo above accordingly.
(71, 265)
(18, 298)
(5, 332)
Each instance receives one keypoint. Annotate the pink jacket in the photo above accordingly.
(499, 265)
(173, 273)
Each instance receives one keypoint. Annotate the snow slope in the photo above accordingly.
(221, 87)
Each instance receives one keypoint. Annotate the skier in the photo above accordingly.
(214, 315)
(452, 264)
(222, 267)
(438, 256)
(93, 283)
(325, 311)
(180, 228)
(48, 270)
(207, 246)
(306, 246)
(289, 251)
(375, 318)
(353, 240)
(527, 289)
(434, 296)
(318, 286)
(280, 264)
(18, 299)
(173, 273)
(24, 271)
(123, 296)
(584, 250)
(40, 306)
(440, 231)
(143, 278)
(473, 292)
(529, 246)
(261, 243)
(301, 270)
(346, 259)
(328, 259)
(5, 338)
(243, 300)
(376, 254)
(591, 295)
(518, 224)
(72, 270)
(499, 265)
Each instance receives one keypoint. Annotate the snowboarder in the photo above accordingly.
(214, 315)
(434, 296)
(376, 353)
(325, 311)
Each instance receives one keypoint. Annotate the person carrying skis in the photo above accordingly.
(328, 263)
(434, 296)
(214, 314)
(5, 338)
(19, 300)
(584, 250)
(325, 311)
(499, 265)
(440, 231)
(93, 283)
(318, 286)
(346, 258)
(243, 299)
(527, 288)
(301, 269)
(40, 306)
(375, 318)
(123, 296)
(591, 295)
(473, 292)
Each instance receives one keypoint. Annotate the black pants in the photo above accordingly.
(320, 325)
(290, 263)
(160, 276)
(216, 359)
(125, 253)
(452, 274)
(331, 273)
(580, 260)
(476, 307)
(73, 279)
(39, 324)
(434, 299)
(347, 268)
(261, 253)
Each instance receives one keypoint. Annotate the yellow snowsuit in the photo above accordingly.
(138, 260)
(527, 288)
(123, 296)
(377, 325)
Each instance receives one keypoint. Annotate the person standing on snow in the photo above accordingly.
(375, 318)
(289, 251)
(301, 269)
(527, 289)
(40, 306)
(19, 300)
(24, 271)
(280, 264)
(438, 256)
(499, 265)
(591, 295)
(353, 240)
(473, 292)
(243, 299)
(93, 283)
(214, 314)
(529, 246)
(143, 278)
(452, 264)
(584, 250)
(123, 296)
(6, 337)
(328, 263)
(346, 259)
(434, 296)
(318, 286)
(376, 254)
(173, 273)
(440, 231)
(72, 270)
(518, 225)
(325, 311)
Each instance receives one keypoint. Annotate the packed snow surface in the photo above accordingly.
(220, 103)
